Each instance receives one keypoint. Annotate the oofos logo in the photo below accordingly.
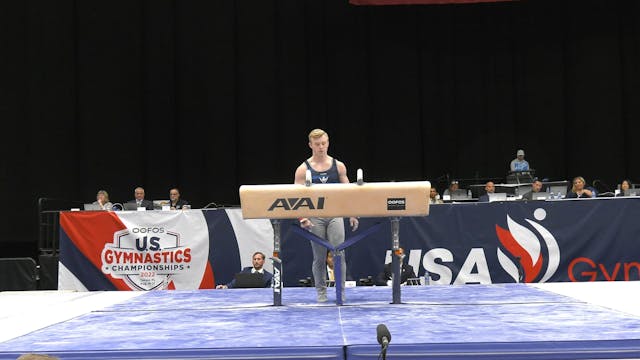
(523, 255)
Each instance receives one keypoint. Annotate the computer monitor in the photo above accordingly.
(249, 280)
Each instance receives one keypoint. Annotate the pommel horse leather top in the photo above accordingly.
(290, 201)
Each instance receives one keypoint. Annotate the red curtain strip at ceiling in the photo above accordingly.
(419, 2)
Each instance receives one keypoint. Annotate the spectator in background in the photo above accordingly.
(489, 188)
(434, 197)
(453, 186)
(139, 199)
(578, 191)
(258, 267)
(519, 163)
(624, 185)
(102, 200)
(406, 271)
(175, 202)
(331, 276)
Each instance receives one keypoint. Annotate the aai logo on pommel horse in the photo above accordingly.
(296, 203)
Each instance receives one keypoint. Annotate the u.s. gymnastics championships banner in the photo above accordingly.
(147, 250)
(536, 241)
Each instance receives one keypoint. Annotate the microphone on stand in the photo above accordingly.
(384, 337)
(520, 269)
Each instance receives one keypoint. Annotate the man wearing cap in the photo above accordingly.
(519, 163)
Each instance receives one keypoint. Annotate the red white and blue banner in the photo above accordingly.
(537, 241)
(148, 250)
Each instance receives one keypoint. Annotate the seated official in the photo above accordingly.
(139, 199)
(579, 191)
(624, 185)
(434, 197)
(102, 200)
(331, 275)
(406, 271)
(453, 186)
(536, 187)
(258, 267)
(489, 188)
(174, 200)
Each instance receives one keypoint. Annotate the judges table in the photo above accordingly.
(498, 242)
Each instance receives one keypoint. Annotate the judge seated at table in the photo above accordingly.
(536, 187)
(258, 267)
(384, 278)
(139, 199)
(490, 188)
(579, 190)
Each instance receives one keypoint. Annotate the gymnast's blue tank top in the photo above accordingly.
(324, 177)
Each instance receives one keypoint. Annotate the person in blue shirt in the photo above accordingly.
(519, 163)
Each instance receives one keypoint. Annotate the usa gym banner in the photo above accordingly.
(470, 243)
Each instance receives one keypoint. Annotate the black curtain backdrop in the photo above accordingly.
(209, 95)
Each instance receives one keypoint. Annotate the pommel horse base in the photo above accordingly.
(290, 201)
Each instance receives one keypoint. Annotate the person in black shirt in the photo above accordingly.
(406, 271)
(175, 202)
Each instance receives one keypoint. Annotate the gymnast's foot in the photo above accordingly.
(322, 296)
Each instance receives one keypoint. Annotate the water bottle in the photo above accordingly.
(469, 193)
(551, 195)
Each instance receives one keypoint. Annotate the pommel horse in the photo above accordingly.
(291, 201)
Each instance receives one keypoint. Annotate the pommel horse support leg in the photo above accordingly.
(277, 264)
(290, 201)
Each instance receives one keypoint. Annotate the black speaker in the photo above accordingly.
(48, 272)
(18, 274)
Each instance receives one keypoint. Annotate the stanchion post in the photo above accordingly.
(396, 262)
(337, 264)
(277, 264)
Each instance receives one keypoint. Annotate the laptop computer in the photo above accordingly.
(92, 207)
(157, 204)
(497, 197)
(460, 194)
(541, 195)
(130, 206)
(632, 192)
(562, 189)
(248, 280)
